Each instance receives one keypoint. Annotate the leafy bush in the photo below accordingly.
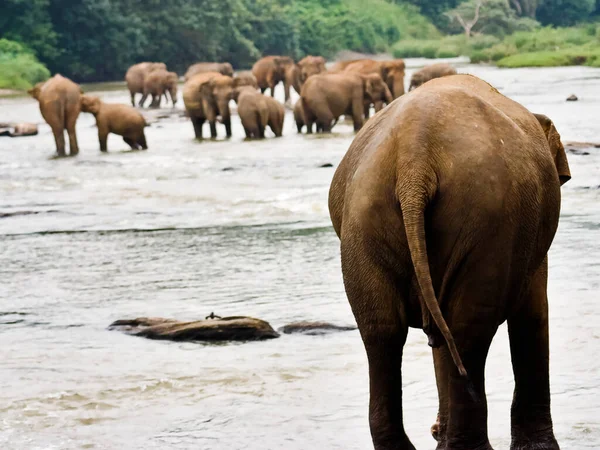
(19, 69)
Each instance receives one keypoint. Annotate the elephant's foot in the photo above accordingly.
(484, 446)
(541, 441)
(436, 429)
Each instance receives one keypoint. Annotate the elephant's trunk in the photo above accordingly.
(224, 109)
(413, 206)
(398, 85)
(388, 95)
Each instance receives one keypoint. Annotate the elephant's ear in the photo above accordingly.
(556, 147)
(206, 88)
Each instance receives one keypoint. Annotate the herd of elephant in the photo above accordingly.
(347, 88)
(446, 205)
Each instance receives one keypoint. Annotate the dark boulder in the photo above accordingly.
(313, 328)
(237, 328)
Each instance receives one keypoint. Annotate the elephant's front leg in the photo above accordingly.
(528, 331)
(379, 311)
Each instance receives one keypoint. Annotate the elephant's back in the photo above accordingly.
(59, 88)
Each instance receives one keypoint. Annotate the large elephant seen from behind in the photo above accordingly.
(136, 76)
(446, 205)
(60, 104)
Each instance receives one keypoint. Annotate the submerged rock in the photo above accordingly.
(572, 98)
(18, 129)
(322, 166)
(313, 328)
(236, 328)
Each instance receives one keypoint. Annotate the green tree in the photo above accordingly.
(564, 12)
(28, 22)
(494, 17)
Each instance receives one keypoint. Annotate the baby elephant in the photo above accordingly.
(276, 116)
(123, 120)
(253, 111)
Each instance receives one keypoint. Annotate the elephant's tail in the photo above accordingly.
(413, 203)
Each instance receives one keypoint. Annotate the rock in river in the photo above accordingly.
(236, 328)
(313, 328)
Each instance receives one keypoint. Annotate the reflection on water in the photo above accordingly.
(170, 233)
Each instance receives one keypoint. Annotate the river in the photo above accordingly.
(170, 233)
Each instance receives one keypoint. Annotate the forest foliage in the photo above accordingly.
(96, 40)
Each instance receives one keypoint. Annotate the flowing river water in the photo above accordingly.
(241, 228)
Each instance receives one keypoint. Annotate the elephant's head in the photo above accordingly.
(416, 81)
(376, 90)
(392, 73)
(216, 94)
(281, 65)
(556, 147)
(36, 90)
(90, 104)
(245, 78)
(311, 65)
(227, 69)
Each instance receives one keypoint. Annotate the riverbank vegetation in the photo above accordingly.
(542, 47)
(19, 68)
(97, 40)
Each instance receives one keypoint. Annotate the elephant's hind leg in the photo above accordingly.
(378, 307)
(528, 332)
(473, 314)
(131, 142)
(142, 141)
(59, 139)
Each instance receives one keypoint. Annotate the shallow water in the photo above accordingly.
(168, 233)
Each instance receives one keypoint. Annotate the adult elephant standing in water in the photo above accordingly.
(59, 100)
(446, 205)
(136, 76)
(206, 96)
(391, 71)
(270, 71)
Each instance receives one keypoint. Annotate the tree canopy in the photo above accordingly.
(95, 40)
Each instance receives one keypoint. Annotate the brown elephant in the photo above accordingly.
(253, 111)
(276, 116)
(327, 96)
(123, 120)
(59, 100)
(136, 76)
(340, 66)
(270, 71)
(379, 96)
(203, 67)
(446, 205)
(391, 71)
(159, 83)
(311, 65)
(297, 74)
(429, 73)
(299, 115)
(245, 78)
(206, 96)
